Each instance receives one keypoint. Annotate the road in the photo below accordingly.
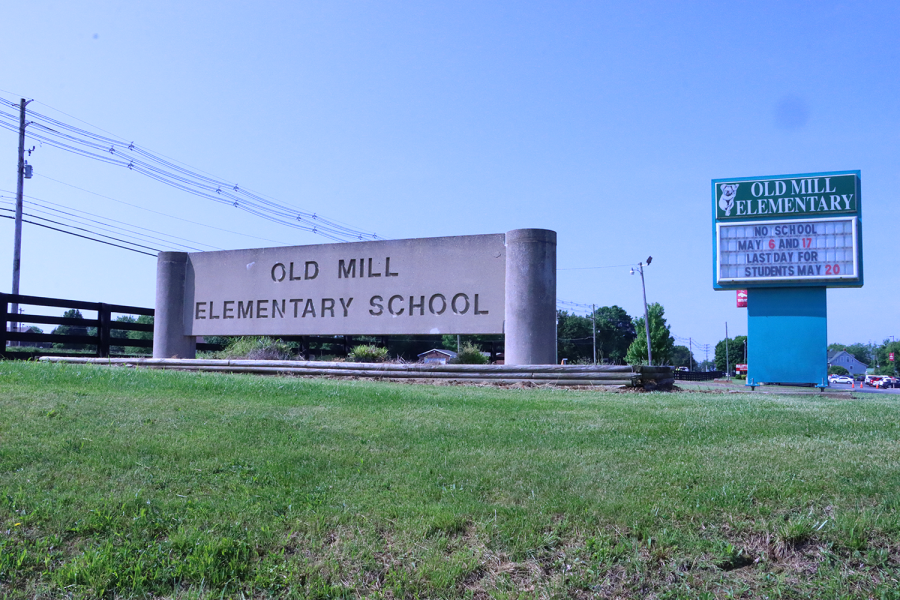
(865, 389)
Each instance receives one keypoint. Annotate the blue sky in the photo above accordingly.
(602, 121)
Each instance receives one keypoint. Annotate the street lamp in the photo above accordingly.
(646, 312)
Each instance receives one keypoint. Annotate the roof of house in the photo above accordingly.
(832, 354)
(447, 353)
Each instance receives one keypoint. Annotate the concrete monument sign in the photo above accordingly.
(466, 284)
(419, 286)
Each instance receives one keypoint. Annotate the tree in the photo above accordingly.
(448, 342)
(81, 330)
(615, 332)
(574, 339)
(882, 353)
(470, 354)
(735, 352)
(661, 339)
(131, 335)
(837, 370)
(682, 357)
(575, 336)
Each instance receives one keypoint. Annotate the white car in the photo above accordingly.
(840, 379)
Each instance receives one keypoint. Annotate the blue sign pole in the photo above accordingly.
(787, 331)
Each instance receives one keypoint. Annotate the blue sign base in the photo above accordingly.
(787, 332)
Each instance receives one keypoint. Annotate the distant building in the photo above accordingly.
(437, 356)
(842, 358)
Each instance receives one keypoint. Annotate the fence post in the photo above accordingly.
(104, 316)
(3, 316)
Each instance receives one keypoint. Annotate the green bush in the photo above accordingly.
(836, 370)
(257, 348)
(366, 353)
(470, 354)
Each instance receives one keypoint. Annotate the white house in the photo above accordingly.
(437, 356)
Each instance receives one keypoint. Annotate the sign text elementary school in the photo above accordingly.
(417, 286)
(788, 230)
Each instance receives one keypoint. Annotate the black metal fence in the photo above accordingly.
(102, 336)
(698, 375)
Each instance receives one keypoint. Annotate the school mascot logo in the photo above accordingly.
(726, 201)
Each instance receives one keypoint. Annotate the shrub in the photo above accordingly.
(368, 354)
(470, 354)
(257, 348)
(836, 370)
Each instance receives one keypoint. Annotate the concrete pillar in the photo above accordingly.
(169, 340)
(530, 297)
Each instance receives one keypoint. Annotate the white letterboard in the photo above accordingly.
(792, 250)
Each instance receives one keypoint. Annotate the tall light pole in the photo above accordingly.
(646, 312)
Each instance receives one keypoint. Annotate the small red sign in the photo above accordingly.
(740, 368)
(891, 357)
(742, 298)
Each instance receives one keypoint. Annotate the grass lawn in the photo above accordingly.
(126, 483)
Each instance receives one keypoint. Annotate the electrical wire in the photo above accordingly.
(117, 226)
(603, 267)
(162, 213)
(78, 235)
(61, 135)
(70, 226)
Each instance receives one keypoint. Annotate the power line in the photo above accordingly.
(109, 150)
(162, 213)
(61, 135)
(70, 226)
(116, 227)
(87, 222)
(568, 305)
(603, 267)
(81, 236)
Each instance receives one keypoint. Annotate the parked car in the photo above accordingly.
(885, 382)
(840, 379)
(871, 379)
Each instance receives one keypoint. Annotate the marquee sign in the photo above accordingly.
(793, 230)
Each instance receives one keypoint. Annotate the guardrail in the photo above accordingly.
(650, 378)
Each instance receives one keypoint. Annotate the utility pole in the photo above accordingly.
(646, 313)
(690, 355)
(594, 330)
(20, 182)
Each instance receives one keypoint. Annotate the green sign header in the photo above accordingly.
(813, 195)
